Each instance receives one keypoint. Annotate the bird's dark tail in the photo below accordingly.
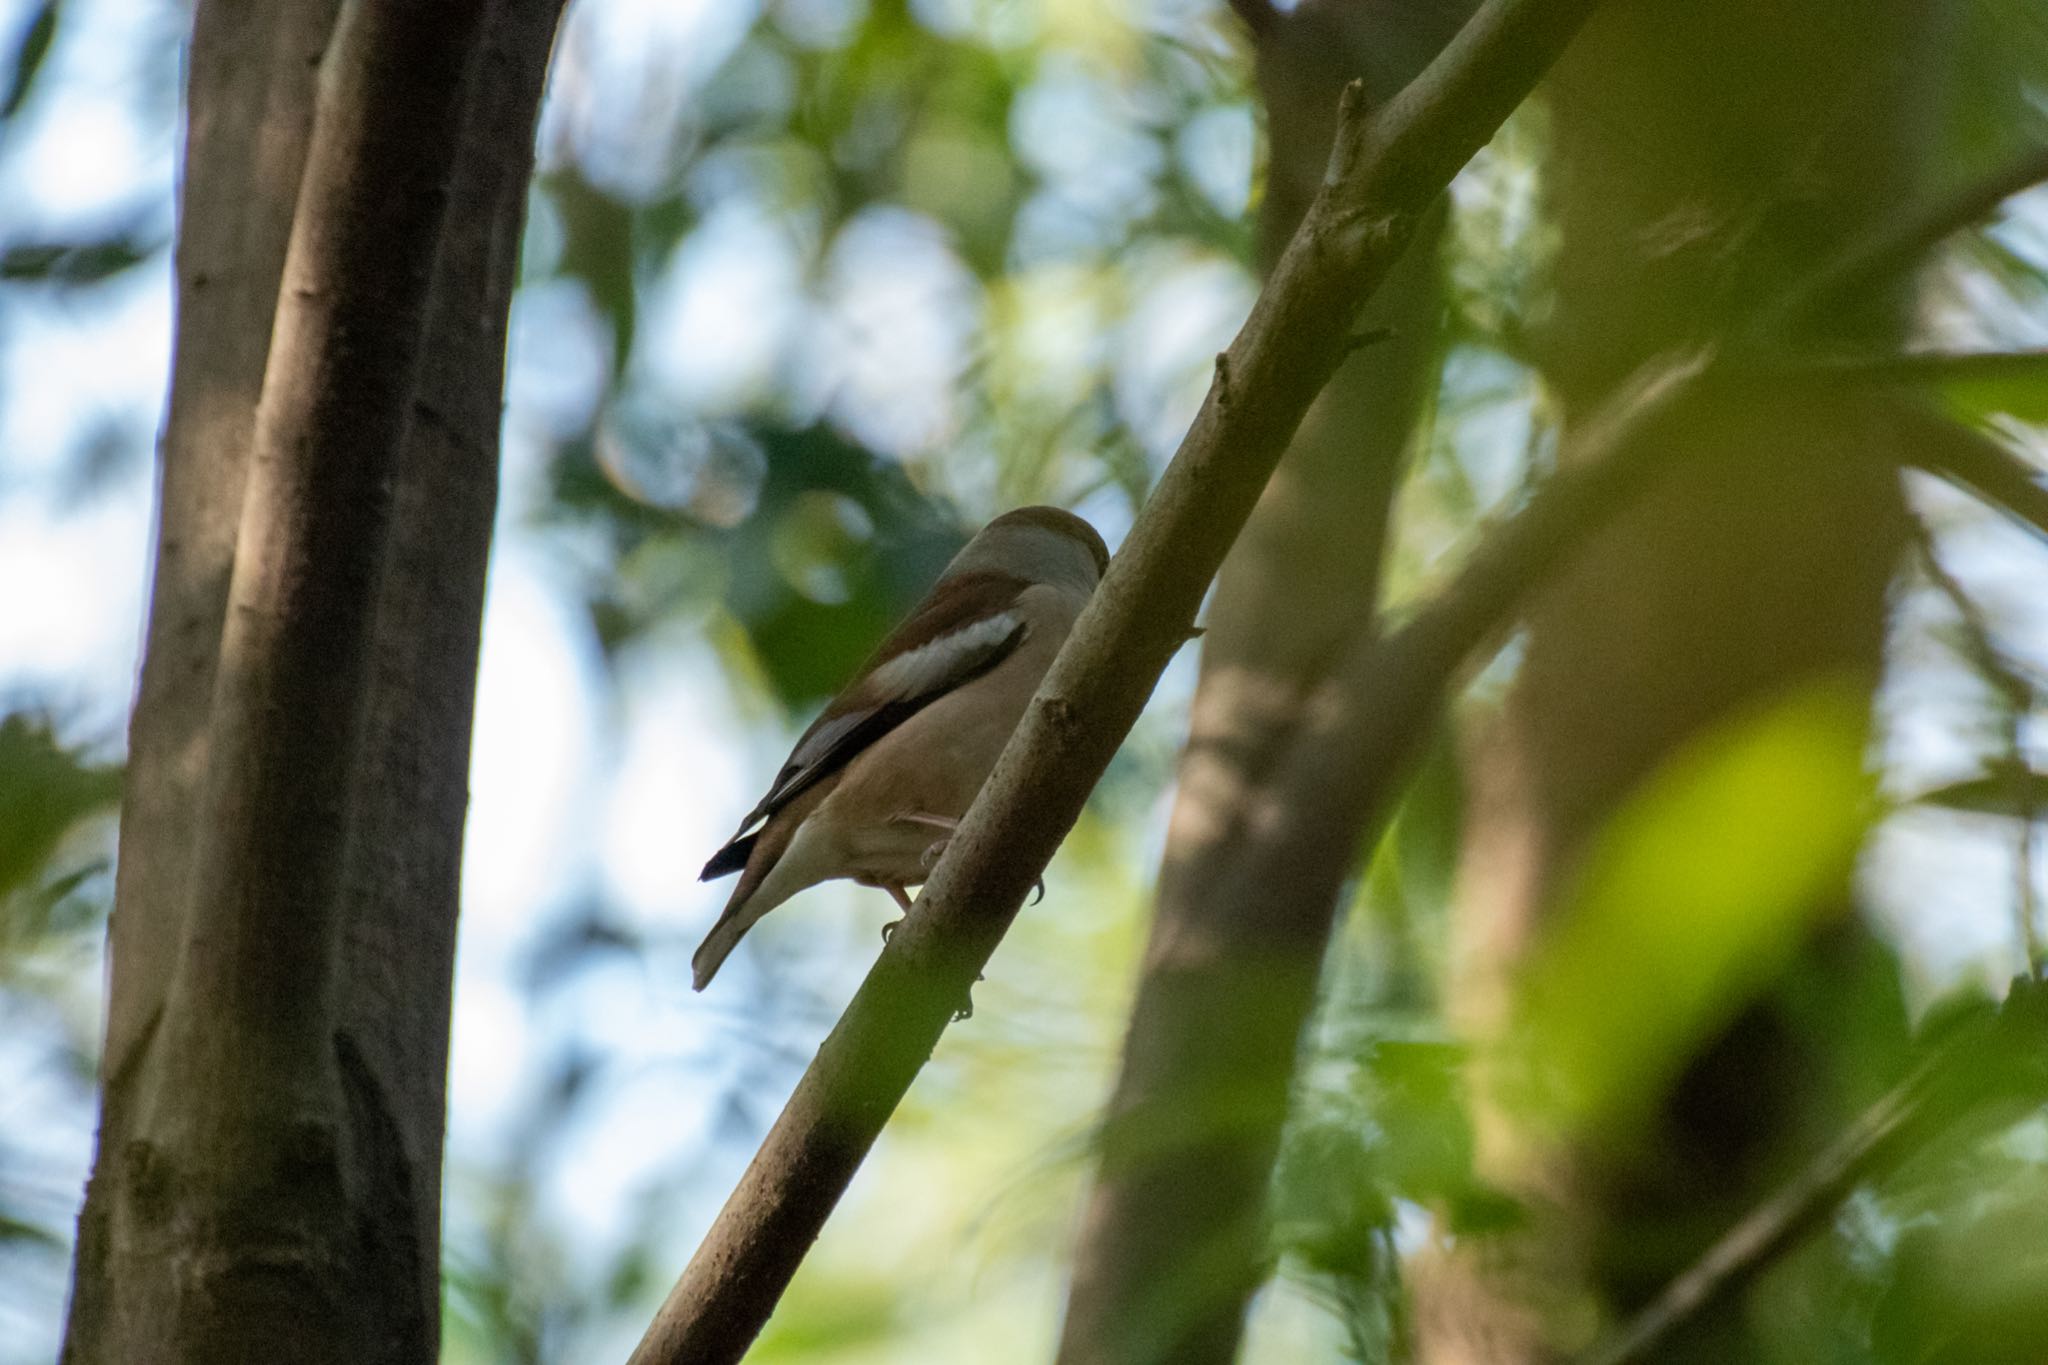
(731, 858)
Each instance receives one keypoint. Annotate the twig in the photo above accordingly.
(1773, 1225)
(1386, 173)
(1988, 1060)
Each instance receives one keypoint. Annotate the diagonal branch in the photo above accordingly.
(1773, 1225)
(1341, 775)
(1148, 1259)
(1386, 172)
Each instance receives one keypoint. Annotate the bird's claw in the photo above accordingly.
(889, 929)
(930, 857)
(1038, 891)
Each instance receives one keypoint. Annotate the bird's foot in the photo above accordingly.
(889, 929)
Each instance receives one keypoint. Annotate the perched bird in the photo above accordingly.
(879, 782)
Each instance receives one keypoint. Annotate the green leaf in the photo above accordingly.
(87, 262)
(2007, 383)
(28, 62)
(44, 790)
(1993, 793)
(1694, 896)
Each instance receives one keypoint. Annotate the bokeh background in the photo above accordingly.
(811, 288)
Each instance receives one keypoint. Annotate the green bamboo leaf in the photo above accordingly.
(2012, 384)
(28, 62)
(1993, 793)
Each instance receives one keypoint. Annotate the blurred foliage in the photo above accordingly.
(811, 288)
(54, 890)
(1043, 176)
(1705, 886)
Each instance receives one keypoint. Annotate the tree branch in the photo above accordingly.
(1150, 1261)
(2016, 706)
(1385, 175)
(402, 881)
(1342, 771)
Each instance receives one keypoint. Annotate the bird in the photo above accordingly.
(877, 784)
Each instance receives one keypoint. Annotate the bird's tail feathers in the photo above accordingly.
(781, 864)
(731, 858)
(723, 938)
(780, 859)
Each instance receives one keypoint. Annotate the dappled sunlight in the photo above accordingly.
(811, 288)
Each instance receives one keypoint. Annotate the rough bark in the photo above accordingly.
(268, 1179)
(1385, 174)
(1172, 1241)
(1700, 171)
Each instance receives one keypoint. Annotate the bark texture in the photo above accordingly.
(267, 1184)
(1172, 1242)
(1702, 169)
(1385, 174)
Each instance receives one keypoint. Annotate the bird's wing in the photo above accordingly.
(967, 626)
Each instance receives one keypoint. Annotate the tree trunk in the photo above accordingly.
(267, 1183)
(1701, 165)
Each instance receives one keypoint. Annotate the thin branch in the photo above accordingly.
(1988, 1063)
(1896, 249)
(1775, 1224)
(1385, 175)
(1339, 775)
